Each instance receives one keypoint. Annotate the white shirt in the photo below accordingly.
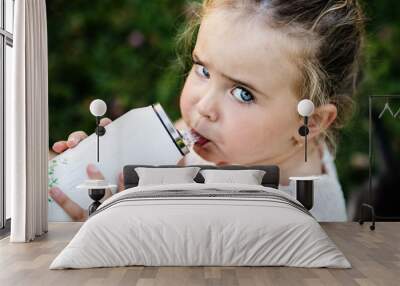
(329, 203)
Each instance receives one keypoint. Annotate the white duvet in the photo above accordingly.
(183, 231)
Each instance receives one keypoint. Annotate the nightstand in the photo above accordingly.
(305, 190)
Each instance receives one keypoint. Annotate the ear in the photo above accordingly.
(319, 121)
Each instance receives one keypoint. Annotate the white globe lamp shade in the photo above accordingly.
(305, 107)
(98, 107)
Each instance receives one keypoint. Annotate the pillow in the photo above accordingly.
(248, 177)
(161, 176)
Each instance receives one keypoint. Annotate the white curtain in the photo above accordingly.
(27, 123)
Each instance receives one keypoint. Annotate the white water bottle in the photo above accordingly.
(141, 136)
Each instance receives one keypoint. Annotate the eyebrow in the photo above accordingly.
(197, 60)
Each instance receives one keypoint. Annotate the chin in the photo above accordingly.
(219, 160)
(210, 155)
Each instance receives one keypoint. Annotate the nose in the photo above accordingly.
(207, 106)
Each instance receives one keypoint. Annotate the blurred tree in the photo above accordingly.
(122, 52)
(380, 76)
(119, 51)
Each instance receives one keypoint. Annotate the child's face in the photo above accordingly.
(242, 93)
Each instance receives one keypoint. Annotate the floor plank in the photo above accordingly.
(374, 255)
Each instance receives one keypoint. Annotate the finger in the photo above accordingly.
(75, 137)
(60, 146)
(107, 195)
(121, 185)
(70, 207)
(94, 174)
(105, 121)
(181, 162)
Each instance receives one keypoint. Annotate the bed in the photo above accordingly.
(201, 224)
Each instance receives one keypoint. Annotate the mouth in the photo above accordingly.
(200, 139)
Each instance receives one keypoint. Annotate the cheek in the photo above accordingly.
(243, 125)
(257, 128)
(187, 98)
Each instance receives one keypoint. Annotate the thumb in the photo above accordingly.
(94, 173)
(121, 185)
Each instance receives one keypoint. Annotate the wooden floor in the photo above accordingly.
(374, 255)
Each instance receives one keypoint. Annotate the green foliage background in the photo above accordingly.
(114, 50)
(123, 51)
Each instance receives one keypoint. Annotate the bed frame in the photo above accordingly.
(270, 179)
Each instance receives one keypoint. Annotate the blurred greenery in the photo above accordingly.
(119, 51)
(122, 51)
(380, 76)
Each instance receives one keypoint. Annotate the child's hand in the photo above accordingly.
(74, 138)
(75, 211)
(180, 124)
(70, 207)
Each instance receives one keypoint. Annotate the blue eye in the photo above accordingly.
(242, 95)
(202, 71)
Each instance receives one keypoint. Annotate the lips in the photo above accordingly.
(200, 139)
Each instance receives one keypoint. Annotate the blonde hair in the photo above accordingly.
(329, 65)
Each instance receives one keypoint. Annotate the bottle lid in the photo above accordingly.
(175, 135)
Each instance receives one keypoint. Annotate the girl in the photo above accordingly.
(252, 62)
